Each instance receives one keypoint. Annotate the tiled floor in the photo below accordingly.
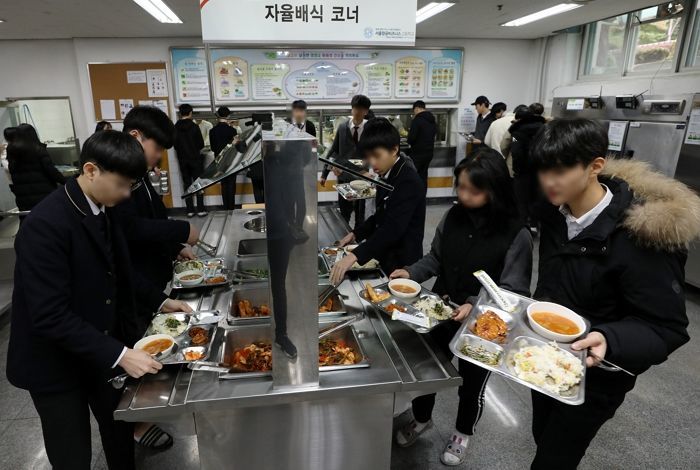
(656, 428)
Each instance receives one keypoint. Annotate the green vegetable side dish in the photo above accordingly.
(259, 273)
(480, 354)
(171, 322)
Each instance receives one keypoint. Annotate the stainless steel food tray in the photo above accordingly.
(213, 267)
(408, 304)
(237, 337)
(349, 194)
(258, 295)
(373, 265)
(251, 263)
(183, 341)
(519, 335)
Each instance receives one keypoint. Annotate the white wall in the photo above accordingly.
(561, 70)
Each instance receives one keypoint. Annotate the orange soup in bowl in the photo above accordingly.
(157, 346)
(404, 289)
(556, 323)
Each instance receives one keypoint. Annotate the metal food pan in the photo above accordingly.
(372, 265)
(349, 194)
(212, 267)
(184, 341)
(519, 335)
(252, 247)
(240, 336)
(258, 295)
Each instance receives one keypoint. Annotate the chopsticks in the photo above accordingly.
(609, 364)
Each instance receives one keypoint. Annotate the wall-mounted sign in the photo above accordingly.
(335, 75)
(190, 78)
(356, 22)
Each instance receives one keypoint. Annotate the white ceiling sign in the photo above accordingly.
(355, 22)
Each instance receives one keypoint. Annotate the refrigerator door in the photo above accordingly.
(656, 143)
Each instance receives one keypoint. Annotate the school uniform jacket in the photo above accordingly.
(73, 300)
(343, 150)
(394, 234)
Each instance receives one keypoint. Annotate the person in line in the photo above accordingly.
(188, 146)
(481, 232)
(394, 234)
(73, 321)
(299, 119)
(33, 174)
(421, 138)
(484, 119)
(613, 248)
(221, 135)
(103, 126)
(498, 110)
(537, 109)
(498, 137)
(522, 132)
(344, 149)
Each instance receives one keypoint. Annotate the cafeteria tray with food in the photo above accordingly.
(251, 304)
(360, 191)
(247, 351)
(528, 343)
(198, 273)
(255, 269)
(180, 338)
(336, 253)
(410, 303)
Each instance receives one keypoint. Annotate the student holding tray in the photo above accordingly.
(613, 249)
(482, 232)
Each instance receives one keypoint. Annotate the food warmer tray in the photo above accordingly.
(258, 295)
(372, 265)
(260, 263)
(519, 335)
(183, 341)
(237, 337)
(350, 194)
(408, 304)
(213, 267)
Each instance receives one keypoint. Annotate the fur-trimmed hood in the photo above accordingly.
(665, 213)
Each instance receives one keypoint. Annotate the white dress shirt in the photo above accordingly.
(360, 127)
(575, 226)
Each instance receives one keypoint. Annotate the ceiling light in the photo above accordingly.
(159, 10)
(432, 9)
(555, 10)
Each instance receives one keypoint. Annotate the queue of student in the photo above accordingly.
(94, 256)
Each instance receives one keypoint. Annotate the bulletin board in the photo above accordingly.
(126, 85)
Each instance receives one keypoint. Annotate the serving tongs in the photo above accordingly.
(339, 326)
(206, 247)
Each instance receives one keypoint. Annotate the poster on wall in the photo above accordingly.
(467, 119)
(335, 75)
(190, 75)
(692, 136)
(360, 22)
(616, 135)
(157, 82)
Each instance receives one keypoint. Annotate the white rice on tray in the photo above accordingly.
(159, 326)
(434, 308)
(548, 367)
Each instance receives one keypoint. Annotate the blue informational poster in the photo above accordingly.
(190, 79)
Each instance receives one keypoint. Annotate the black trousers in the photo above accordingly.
(228, 192)
(563, 432)
(348, 207)
(65, 425)
(190, 171)
(526, 188)
(471, 393)
(422, 163)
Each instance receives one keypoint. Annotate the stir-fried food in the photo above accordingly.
(491, 327)
(248, 310)
(256, 357)
(375, 296)
(333, 352)
(395, 307)
(198, 335)
(327, 306)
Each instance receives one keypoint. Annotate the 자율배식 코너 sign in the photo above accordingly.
(356, 22)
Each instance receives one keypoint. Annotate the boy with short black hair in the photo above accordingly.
(394, 234)
(299, 120)
(613, 249)
(73, 310)
(188, 146)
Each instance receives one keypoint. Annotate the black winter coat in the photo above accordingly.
(34, 175)
(421, 136)
(73, 304)
(522, 133)
(625, 272)
(394, 233)
(220, 136)
(188, 141)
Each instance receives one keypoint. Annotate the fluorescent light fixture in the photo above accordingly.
(159, 10)
(555, 10)
(432, 9)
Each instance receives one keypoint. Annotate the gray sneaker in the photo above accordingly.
(407, 434)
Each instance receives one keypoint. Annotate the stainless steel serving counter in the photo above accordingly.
(183, 401)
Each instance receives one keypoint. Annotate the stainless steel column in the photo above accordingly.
(289, 163)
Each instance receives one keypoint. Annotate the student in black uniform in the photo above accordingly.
(220, 136)
(481, 232)
(613, 248)
(188, 147)
(299, 120)
(73, 321)
(394, 234)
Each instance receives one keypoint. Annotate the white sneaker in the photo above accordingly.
(455, 451)
(202, 214)
(190, 215)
